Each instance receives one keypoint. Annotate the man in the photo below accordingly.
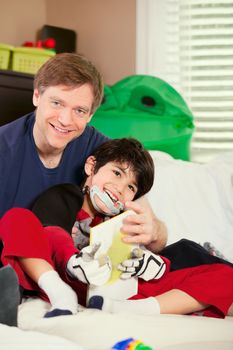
(49, 146)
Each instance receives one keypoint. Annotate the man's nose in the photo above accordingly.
(65, 116)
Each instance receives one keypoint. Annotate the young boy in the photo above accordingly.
(196, 283)
(118, 171)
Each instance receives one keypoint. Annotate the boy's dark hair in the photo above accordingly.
(132, 152)
(72, 70)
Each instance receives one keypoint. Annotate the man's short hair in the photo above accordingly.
(131, 152)
(72, 70)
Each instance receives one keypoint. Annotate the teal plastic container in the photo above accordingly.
(149, 109)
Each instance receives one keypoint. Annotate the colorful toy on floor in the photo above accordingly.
(130, 344)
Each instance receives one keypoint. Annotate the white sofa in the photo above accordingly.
(196, 202)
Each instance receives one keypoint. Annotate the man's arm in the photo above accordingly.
(144, 228)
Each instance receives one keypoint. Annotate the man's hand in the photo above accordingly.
(143, 264)
(88, 269)
(144, 228)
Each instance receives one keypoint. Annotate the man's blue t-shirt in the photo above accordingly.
(22, 174)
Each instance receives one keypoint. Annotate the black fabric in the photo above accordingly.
(59, 205)
(9, 296)
(1, 248)
(186, 253)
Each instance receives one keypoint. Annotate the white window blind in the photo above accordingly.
(189, 43)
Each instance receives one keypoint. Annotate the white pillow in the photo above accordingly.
(93, 329)
(13, 338)
(195, 200)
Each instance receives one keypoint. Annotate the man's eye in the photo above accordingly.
(80, 112)
(55, 103)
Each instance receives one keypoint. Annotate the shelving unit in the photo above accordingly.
(16, 90)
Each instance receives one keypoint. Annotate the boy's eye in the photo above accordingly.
(132, 188)
(117, 173)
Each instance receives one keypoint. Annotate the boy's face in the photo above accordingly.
(62, 115)
(115, 179)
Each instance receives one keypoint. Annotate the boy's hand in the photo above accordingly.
(143, 264)
(88, 269)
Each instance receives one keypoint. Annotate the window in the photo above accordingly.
(189, 43)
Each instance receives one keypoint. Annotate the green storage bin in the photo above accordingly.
(5, 52)
(149, 109)
(29, 60)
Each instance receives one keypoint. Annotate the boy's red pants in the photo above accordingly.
(24, 236)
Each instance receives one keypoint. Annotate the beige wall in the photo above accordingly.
(106, 32)
(20, 20)
(105, 29)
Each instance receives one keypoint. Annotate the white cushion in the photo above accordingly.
(195, 200)
(12, 338)
(98, 330)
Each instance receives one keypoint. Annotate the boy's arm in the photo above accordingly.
(144, 228)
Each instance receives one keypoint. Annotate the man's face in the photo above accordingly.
(61, 116)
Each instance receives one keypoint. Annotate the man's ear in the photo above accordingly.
(36, 97)
(89, 119)
(90, 165)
